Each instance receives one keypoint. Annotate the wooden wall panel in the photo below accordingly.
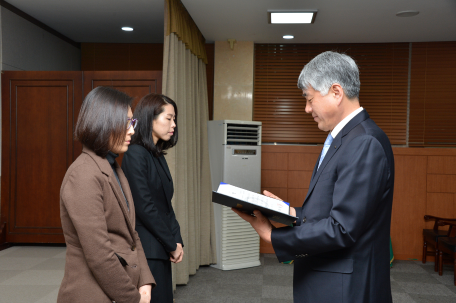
(273, 178)
(273, 160)
(299, 179)
(121, 56)
(297, 195)
(302, 161)
(136, 84)
(441, 165)
(425, 184)
(441, 183)
(409, 205)
(440, 205)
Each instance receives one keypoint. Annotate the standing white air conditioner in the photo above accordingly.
(235, 158)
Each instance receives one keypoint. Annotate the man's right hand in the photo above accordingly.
(271, 195)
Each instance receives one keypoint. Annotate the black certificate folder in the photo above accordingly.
(249, 208)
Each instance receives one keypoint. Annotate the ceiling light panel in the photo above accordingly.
(292, 17)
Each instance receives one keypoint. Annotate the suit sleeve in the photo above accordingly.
(298, 216)
(146, 275)
(176, 229)
(362, 175)
(86, 211)
(135, 166)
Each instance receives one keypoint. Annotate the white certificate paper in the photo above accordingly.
(253, 198)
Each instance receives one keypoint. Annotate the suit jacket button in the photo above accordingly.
(133, 247)
(304, 220)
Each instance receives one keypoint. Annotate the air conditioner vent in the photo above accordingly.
(243, 134)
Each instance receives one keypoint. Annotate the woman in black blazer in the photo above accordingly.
(151, 184)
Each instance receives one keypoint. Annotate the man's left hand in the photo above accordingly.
(260, 223)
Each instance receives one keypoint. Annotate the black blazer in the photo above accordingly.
(152, 189)
(341, 242)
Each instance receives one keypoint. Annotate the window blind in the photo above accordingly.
(432, 87)
(279, 104)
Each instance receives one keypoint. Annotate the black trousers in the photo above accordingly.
(161, 270)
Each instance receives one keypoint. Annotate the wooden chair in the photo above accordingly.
(431, 236)
(447, 245)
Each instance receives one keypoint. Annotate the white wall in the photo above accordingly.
(28, 47)
(233, 80)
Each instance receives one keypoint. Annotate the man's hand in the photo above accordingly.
(260, 223)
(145, 291)
(177, 255)
(271, 195)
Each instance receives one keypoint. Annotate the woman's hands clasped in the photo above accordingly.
(177, 255)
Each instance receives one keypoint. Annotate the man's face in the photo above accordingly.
(323, 108)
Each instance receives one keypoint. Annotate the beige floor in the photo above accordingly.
(30, 274)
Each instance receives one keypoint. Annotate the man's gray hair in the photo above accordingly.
(328, 68)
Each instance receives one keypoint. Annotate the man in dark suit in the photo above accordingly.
(340, 242)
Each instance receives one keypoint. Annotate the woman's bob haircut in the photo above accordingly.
(102, 121)
(147, 110)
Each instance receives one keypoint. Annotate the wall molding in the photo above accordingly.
(38, 23)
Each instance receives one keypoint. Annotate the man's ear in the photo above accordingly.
(337, 92)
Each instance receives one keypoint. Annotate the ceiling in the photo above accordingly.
(336, 22)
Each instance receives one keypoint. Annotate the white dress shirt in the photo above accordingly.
(344, 122)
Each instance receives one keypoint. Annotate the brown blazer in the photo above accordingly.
(98, 229)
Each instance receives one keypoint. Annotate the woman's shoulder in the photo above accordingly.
(136, 154)
(85, 171)
(83, 163)
(136, 149)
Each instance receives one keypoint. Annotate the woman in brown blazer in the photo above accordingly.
(105, 261)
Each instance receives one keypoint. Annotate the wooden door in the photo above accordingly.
(134, 83)
(39, 111)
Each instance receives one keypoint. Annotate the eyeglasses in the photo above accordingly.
(132, 122)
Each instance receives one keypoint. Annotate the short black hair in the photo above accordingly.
(102, 120)
(147, 110)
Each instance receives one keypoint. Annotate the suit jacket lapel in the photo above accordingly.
(335, 145)
(165, 167)
(120, 197)
(126, 190)
(106, 169)
(165, 177)
(315, 169)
